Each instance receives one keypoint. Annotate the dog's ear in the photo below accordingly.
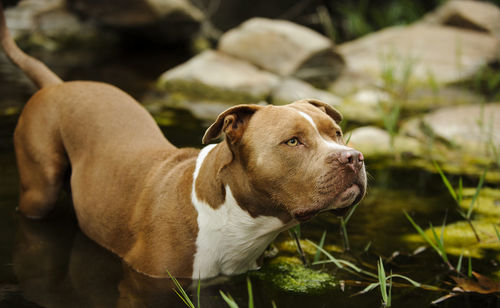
(232, 122)
(329, 110)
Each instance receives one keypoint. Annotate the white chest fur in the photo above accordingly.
(229, 240)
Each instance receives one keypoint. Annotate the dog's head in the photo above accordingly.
(293, 159)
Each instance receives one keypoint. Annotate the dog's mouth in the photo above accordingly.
(340, 207)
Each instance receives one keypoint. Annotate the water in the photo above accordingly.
(50, 263)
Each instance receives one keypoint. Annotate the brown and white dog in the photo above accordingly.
(194, 213)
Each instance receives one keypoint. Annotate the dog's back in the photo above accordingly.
(116, 154)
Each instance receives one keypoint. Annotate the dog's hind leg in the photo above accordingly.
(42, 164)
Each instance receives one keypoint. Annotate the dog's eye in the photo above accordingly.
(339, 134)
(293, 142)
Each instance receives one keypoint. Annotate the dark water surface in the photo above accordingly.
(50, 263)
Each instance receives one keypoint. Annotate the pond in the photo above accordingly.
(50, 263)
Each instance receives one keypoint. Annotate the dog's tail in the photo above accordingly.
(40, 74)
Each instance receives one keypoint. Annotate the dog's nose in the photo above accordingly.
(352, 158)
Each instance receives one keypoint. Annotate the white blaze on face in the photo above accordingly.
(229, 240)
(330, 144)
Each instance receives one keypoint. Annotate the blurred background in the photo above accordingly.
(418, 83)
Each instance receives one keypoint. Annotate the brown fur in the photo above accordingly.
(132, 188)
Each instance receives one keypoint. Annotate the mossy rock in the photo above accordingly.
(487, 204)
(309, 249)
(199, 90)
(289, 275)
(460, 239)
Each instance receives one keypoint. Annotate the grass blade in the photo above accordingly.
(459, 264)
(460, 190)
(340, 263)
(348, 138)
(469, 271)
(329, 256)
(229, 300)
(351, 211)
(476, 194)
(321, 244)
(198, 290)
(180, 292)
(382, 280)
(367, 247)
(344, 233)
(370, 287)
(413, 282)
(250, 293)
(389, 294)
(421, 232)
(440, 244)
(445, 181)
(496, 231)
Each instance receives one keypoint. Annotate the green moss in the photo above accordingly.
(459, 238)
(487, 204)
(198, 90)
(290, 247)
(289, 275)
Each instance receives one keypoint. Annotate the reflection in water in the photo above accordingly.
(58, 266)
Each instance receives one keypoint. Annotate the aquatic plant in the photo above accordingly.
(289, 275)
(343, 226)
(295, 234)
(182, 293)
(437, 244)
(458, 196)
(232, 303)
(179, 290)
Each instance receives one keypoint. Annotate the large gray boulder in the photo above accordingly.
(284, 48)
(462, 139)
(376, 143)
(473, 129)
(479, 16)
(422, 52)
(215, 76)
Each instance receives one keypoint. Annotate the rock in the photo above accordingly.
(487, 204)
(203, 110)
(215, 76)
(284, 48)
(291, 89)
(460, 239)
(162, 20)
(289, 275)
(375, 143)
(422, 53)
(462, 139)
(473, 15)
(426, 98)
(48, 24)
(350, 82)
(471, 129)
(363, 107)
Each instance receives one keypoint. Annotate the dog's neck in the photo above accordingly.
(229, 240)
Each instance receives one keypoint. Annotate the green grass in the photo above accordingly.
(343, 226)
(437, 244)
(182, 293)
(317, 256)
(385, 284)
(458, 196)
(295, 234)
(232, 303)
